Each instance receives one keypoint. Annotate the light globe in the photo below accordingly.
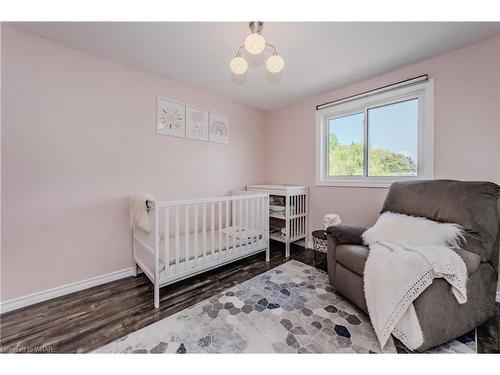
(255, 43)
(275, 64)
(238, 65)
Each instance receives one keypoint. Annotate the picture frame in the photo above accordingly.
(219, 127)
(197, 121)
(171, 118)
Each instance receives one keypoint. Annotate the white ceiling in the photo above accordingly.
(318, 56)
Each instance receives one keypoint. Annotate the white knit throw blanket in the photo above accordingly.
(395, 275)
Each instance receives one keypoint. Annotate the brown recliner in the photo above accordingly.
(475, 206)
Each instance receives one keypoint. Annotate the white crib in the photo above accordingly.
(192, 236)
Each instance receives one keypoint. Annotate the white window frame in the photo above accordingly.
(424, 92)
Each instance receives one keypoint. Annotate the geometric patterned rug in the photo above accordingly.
(289, 309)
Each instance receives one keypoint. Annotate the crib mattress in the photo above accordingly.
(207, 248)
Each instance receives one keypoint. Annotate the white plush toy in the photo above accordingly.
(331, 219)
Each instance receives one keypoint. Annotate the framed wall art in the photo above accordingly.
(196, 123)
(219, 127)
(171, 118)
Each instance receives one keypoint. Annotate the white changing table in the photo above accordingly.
(293, 217)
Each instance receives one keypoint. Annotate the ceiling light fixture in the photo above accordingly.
(256, 44)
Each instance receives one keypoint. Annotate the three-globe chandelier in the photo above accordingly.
(256, 44)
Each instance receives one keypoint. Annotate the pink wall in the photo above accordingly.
(78, 138)
(467, 131)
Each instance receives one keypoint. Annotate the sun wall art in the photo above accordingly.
(196, 123)
(219, 127)
(171, 118)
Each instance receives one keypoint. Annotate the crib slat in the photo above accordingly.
(219, 230)
(260, 224)
(186, 237)
(297, 226)
(233, 223)
(260, 221)
(295, 221)
(252, 222)
(245, 225)
(195, 230)
(212, 234)
(166, 239)
(257, 216)
(204, 229)
(266, 227)
(240, 225)
(262, 210)
(177, 239)
(227, 232)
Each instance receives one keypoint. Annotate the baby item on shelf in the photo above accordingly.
(330, 220)
(276, 200)
(273, 208)
(283, 232)
(280, 210)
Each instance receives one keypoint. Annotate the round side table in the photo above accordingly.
(320, 245)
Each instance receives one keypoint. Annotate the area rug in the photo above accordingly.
(289, 309)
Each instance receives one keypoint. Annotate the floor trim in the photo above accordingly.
(59, 291)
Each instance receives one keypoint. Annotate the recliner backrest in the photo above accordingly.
(472, 204)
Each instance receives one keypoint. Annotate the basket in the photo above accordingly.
(320, 246)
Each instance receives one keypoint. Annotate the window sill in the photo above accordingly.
(372, 183)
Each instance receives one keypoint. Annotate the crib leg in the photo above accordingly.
(268, 255)
(157, 296)
(135, 269)
(287, 250)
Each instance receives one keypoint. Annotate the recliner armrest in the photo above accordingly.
(338, 235)
(471, 260)
(346, 234)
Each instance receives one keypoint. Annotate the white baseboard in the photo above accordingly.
(17, 303)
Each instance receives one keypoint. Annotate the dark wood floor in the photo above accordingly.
(86, 320)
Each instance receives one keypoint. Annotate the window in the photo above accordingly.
(376, 140)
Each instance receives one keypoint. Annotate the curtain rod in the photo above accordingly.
(406, 82)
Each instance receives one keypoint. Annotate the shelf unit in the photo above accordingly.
(294, 218)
